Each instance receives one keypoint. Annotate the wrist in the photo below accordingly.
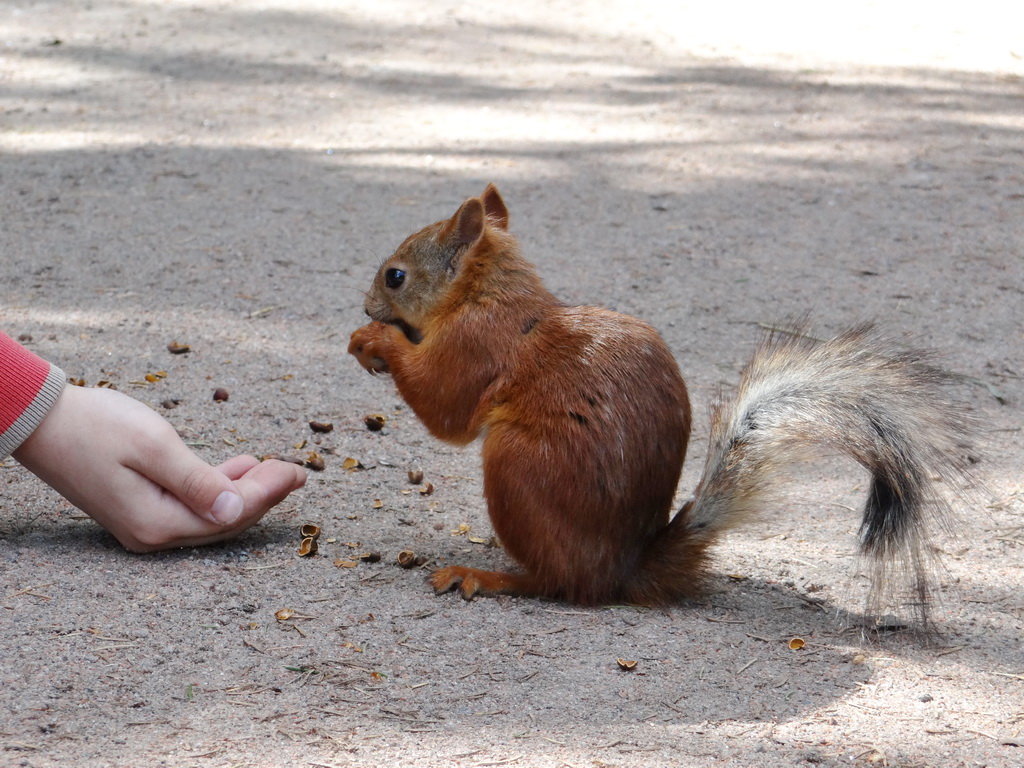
(30, 387)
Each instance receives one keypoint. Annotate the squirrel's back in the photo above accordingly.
(594, 418)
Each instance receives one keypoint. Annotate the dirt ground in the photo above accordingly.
(229, 174)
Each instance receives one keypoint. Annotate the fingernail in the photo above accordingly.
(227, 508)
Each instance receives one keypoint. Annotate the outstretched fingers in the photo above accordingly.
(268, 483)
(164, 521)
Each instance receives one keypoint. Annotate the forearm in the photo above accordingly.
(444, 395)
(29, 386)
(432, 376)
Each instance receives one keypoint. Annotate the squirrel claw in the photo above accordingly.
(375, 365)
(447, 579)
(363, 346)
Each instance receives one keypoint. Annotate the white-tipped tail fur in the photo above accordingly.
(858, 393)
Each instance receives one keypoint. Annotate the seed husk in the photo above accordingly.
(375, 422)
(409, 559)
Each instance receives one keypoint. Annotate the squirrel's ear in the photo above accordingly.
(495, 207)
(468, 222)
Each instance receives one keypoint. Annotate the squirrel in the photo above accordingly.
(585, 420)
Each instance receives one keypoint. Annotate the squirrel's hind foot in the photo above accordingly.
(472, 582)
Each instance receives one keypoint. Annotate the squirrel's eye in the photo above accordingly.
(394, 278)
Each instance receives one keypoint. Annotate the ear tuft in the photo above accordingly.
(469, 222)
(494, 207)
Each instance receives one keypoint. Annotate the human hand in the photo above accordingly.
(127, 468)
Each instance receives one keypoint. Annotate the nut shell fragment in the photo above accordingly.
(220, 395)
(626, 664)
(307, 547)
(321, 426)
(309, 530)
(415, 476)
(375, 422)
(409, 559)
(796, 643)
(176, 348)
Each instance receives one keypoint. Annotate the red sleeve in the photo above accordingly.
(29, 386)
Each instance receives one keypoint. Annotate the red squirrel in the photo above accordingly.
(585, 420)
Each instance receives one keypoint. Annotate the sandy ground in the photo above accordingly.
(229, 174)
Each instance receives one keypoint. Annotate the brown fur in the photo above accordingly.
(586, 418)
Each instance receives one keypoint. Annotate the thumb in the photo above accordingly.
(209, 493)
(205, 490)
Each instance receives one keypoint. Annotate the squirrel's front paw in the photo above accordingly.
(365, 345)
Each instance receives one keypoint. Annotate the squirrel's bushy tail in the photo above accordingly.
(860, 394)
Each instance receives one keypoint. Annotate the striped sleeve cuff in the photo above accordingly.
(34, 414)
